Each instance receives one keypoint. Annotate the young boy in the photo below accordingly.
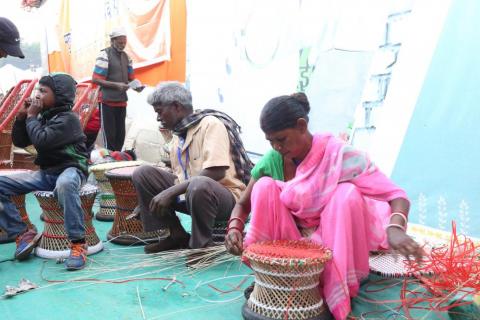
(47, 122)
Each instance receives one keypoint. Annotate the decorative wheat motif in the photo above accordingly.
(422, 209)
(442, 213)
(464, 217)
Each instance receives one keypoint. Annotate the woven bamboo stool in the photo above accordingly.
(54, 242)
(107, 198)
(127, 232)
(287, 275)
(19, 202)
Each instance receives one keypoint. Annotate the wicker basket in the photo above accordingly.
(287, 275)
(9, 108)
(54, 242)
(6, 147)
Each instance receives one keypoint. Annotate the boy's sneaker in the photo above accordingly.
(78, 256)
(26, 242)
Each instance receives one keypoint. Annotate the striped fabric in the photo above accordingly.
(242, 162)
(100, 71)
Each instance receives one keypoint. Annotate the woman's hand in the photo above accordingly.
(404, 244)
(234, 242)
(236, 224)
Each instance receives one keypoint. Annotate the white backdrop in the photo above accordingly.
(242, 53)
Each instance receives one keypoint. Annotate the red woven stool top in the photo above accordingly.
(288, 252)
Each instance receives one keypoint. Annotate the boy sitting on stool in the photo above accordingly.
(48, 123)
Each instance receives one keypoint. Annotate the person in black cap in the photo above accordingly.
(9, 39)
(47, 122)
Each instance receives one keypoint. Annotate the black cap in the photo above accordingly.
(10, 38)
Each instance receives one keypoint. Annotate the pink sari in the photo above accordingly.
(341, 196)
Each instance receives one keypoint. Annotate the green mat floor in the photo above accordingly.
(215, 293)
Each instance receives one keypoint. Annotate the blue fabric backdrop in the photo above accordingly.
(438, 163)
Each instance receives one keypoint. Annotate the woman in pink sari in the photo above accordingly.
(319, 188)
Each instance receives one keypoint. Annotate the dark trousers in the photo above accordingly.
(206, 201)
(90, 142)
(113, 126)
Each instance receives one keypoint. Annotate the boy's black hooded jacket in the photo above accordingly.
(56, 133)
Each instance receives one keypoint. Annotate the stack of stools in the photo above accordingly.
(126, 230)
(287, 275)
(54, 242)
(107, 198)
(19, 202)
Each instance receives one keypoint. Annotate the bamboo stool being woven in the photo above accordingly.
(393, 265)
(54, 242)
(287, 275)
(107, 198)
(127, 232)
(19, 202)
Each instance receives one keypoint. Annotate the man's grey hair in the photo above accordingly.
(169, 92)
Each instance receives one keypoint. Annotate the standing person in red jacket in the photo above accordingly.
(91, 129)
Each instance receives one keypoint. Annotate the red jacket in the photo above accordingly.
(93, 125)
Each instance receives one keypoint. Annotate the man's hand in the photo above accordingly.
(401, 242)
(122, 86)
(234, 242)
(161, 201)
(35, 107)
